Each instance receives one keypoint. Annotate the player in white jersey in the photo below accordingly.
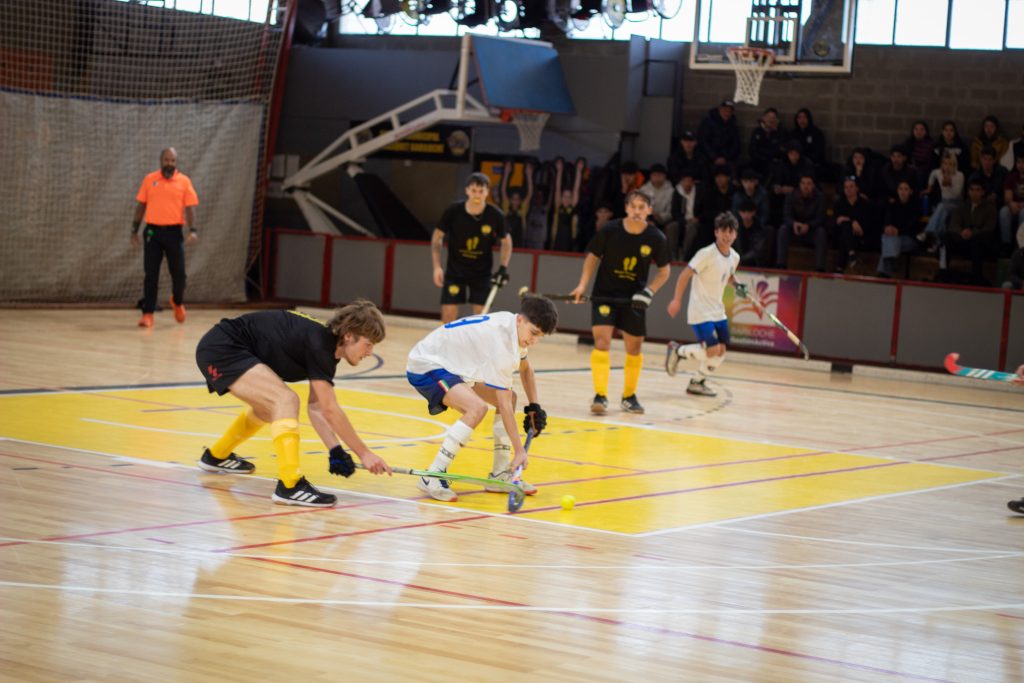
(710, 270)
(468, 364)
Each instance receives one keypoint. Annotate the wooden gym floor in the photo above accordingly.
(801, 526)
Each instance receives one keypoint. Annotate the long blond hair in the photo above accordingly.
(361, 317)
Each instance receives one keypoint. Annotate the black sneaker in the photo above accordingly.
(631, 405)
(1016, 505)
(599, 406)
(229, 465)
(303, 493)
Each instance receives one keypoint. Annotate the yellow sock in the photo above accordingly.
(286, 445)
(600, 367)
(244, 426)
(632, 374)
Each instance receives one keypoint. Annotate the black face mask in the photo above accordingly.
(168, 171)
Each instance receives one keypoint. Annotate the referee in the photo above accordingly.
(165, 200)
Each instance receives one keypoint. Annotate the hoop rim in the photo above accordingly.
(748, 51)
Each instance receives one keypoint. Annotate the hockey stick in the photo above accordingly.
(569, 298)
(979, 373)
(778, 323)
(515, 500)
(490, 299)
(512, 488)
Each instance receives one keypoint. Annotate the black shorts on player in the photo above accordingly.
(622, 316)
(457, 291)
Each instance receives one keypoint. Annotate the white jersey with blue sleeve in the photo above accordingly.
(479, 348)
(711, 272)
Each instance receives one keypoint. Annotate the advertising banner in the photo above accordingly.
(780, 295)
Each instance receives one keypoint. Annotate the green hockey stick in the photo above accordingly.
(514, 490)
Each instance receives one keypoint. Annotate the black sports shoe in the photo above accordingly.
(303, 493)
(229, 465)
(631, 405)
(1016, 505)
(599, 406)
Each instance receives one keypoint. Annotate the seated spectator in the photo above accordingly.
(515, 202)
(993, 176)
(785, 177)
(1008, 159)
(920, 150)
(686, 212)
(660, 191)
(812, 140)
(754, 238)
(1012, 214)
(902, 219)
(951, 143)
(804, 222)
(766, 142)
(893, 173)
(750, 187)
(630, 178)
(565, 226)
(971, 232)
(716, 199)
(946, 183)
(860, 167)
(854, 225)
(718, 135)
(989, 136)
(1015, 278)
(686, 157)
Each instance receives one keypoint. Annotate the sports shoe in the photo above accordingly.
(599, 406)
(179, 311)
(438, 489)
(528, 488)
(921, 236)
(1016, 505)
(304, 494)
(146, 320)
(229, 465)
(698, 388)
(631, 405)
(672, 358)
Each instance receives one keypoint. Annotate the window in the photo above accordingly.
(725, 21)
(977, 24)
(875, 22)
(1015, 24)
(921, 22)
(680, 27)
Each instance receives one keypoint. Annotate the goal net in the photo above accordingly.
(90, 92)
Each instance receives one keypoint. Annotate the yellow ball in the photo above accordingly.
(568, 502)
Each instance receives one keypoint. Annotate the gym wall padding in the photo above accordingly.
(850, 319)
(935, 321)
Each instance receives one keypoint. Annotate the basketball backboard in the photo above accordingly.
(807, 36)
(520, 74)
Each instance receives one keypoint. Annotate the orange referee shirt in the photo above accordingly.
(165, 199)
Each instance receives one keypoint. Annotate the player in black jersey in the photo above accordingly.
(472, 228)
(253, 355)
(625, 249)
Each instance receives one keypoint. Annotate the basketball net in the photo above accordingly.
(750, 64)
(530, 125)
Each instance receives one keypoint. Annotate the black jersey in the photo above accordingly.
(293, 345)
(471, 240)
(626, 258)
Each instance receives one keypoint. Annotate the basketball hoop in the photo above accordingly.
(750, 64)
(530, 125)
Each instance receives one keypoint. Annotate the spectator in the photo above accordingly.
(1007, 161)
(536, 231)
(785, 177)
(900, 224)
(716, 199)
(1012, 214)
(854, 224)
(750, 188)
(971, 232)
(515, 203)
(1015, 278)
(893, 173)
(951, 143)
(993, 176)
(687, 157)
(718, 135)
(566, 223)
(686, 212)
(766, 142)
(920, 150)
(988, 136)
(660, 191)
(811, 139)
(803, 221)
(630, 179)
(859, 166)
(948, 183)
(754, 238)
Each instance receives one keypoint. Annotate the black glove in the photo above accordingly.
(741, 289)
(341, 462)
(642, 299)
(500, 277)
(535, 418)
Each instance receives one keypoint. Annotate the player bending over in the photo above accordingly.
(253, 355)
(468, 364)
(711, 268)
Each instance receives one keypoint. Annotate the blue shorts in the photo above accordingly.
(433, 386)
(712, 333)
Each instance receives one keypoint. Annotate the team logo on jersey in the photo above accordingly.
(470, 251)
(453, 289)
(486, 230)
(645, 250)
(604, 310)
(626, 272)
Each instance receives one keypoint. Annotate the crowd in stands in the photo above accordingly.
(942, 196)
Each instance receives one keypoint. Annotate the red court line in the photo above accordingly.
(607, 621)
(964, 455)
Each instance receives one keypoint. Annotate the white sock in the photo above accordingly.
(456, 436)
(502, 446)
(709, 366)
(692, 351)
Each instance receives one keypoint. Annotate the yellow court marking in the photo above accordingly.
(625, 479)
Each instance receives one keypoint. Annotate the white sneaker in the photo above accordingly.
(528, 488)
(671, 358)
(437, 489)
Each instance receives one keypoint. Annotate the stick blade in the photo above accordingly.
(951, 363)
(515, 500)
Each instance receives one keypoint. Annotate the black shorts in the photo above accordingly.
(623, 317)
(222, 360)
(455, 290)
